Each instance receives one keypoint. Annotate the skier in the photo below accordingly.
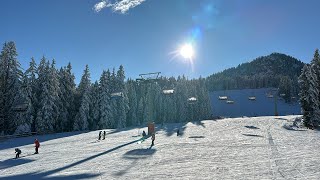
(104, 135)
(18, 152)
(153, 137)
(178, 132)
(36, 145)
(100, 135)
(144, 134)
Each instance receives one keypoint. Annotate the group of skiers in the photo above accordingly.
(104, 135)
(36, 145)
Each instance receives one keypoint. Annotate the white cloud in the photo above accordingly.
(121, 6)
(99, 6)
(124, 5)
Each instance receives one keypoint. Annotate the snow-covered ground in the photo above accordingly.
(239, 148)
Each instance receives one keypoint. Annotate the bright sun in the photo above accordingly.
(187, 51)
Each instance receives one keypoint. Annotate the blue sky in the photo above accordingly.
(142, 34)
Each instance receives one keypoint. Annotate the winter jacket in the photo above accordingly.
(37, 144)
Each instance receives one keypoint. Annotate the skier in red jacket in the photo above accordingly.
(36, 145)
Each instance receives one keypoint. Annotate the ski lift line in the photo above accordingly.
(150, 73)
(152, 77)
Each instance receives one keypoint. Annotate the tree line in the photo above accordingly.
(45, 99)
(309, 83)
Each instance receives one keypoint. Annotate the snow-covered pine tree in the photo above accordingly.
(304, 96)
(104, 101)
(122, 103)
(83, 85)
(32, 75)
(313, 94)
(94, 108)
(10, 82)
(48, 84)
(315, 66)
(82, 119)
(181, 99)
(204, 100)
(24, 118)
(113, 104)
(84, 99)
(132, 118)
(67, 93)
(140, 111)
(55, 92)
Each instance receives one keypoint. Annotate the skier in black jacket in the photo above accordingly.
(18, 152)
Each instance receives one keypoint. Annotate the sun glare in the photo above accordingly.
(187, 51)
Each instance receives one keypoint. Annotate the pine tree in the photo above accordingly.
(313, 95)
(123, 102)
(83, 115)
(47, 115)
(45, 121)
(94, 108)
(106, 116)
(82, 119)
(67, 93)
(132, 118)
(10, 82)
(32, 76)
(24, 118)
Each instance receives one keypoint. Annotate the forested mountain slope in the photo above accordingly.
(264, 71)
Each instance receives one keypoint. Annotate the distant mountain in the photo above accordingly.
(263, 72)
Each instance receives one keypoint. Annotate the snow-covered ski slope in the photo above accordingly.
(239, 148)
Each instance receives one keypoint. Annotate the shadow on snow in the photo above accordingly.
(135, 155)
(22, 141)
(44, 175)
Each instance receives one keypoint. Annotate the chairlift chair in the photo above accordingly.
(117, 95)
(269, 95)
(223, 97)
(230, 102)
(21, 107)
(192, 100)
(168, 91)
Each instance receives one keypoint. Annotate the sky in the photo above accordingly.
(146, 35)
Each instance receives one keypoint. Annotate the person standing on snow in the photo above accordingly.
(100, 135)
(104, 135)
(18, 152)
(153, 137)
(36, 145)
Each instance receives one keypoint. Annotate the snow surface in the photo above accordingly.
(239, 148)
(242, 106)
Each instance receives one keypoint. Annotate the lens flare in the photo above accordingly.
(187, 51)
